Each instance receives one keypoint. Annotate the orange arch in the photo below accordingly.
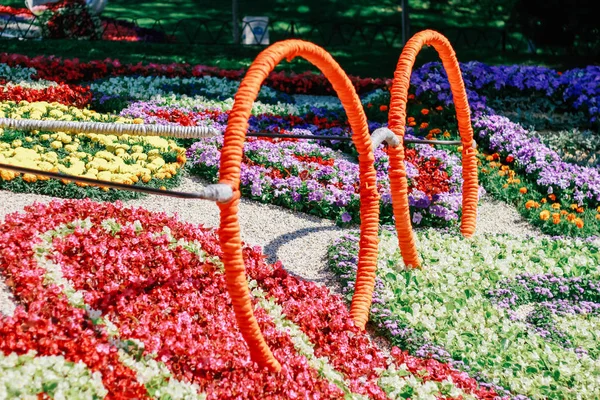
(231, 158)
(396, 123)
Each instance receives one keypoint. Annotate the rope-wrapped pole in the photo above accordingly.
(396, 122)
(181, 132)
(231, 157)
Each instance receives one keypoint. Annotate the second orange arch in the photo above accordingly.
(396, 123)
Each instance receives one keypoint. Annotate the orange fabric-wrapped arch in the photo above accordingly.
(231, 158)
(396, 122)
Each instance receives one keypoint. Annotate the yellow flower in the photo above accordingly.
(6, 175)
(56, 144)
(29, 178)
(545, 215)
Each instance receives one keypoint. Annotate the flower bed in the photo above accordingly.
(75, 71)
(555, 215)
(127, 159)
(521, 313)
(125, 303)
(306, 177)
(550, 185)
(576, 89)
(116, 93)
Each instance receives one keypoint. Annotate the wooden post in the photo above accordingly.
(405, 21)
(235, 21)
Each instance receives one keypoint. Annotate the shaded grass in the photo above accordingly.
(366, 62)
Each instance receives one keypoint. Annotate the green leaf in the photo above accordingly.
(556, 375)
(49, 387)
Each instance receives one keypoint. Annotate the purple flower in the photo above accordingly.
(346, 217)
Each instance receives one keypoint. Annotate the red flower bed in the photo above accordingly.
(432, 178)
(17, 12)
(75, 71)
(71, 95)
(139, 271)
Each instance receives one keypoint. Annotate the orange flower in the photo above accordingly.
(543, 201)
(439, 108)
(424, 125)
(411, 96)
(412, 123)
(579, 223)
(509, 159)
(574, 206)
(424, 111)
(30, 178)
(369, 105)
(530, 204)
(563, 212)
(411, 119)
(496, 156)
(552, 197)
(501, 173)
(579, 210)
(523, 190)
(435, 131)
(556, 218)
(545, 215)
(598, 217)
(556, 206)
(383, 108)
(598, 209)
(505, 186)
(571, 217)
(446, 134)
(490, 158)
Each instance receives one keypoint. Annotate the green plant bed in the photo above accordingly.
(57, 188)
(523, 313)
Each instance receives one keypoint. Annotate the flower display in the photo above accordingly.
(542, 165)
(69, 19)
(132, 304)
(307, 177)
(126, 159)
(519, 313)
(64, 94)
(555, 215)
(60, 21)
(125, 89)
(75, 71)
